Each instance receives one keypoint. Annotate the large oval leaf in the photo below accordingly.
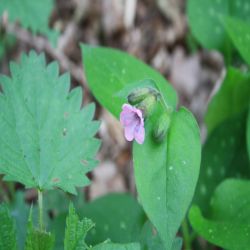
(108, 71)
(166, 173)
(231, 99)
(205, 20)
(224, 155)
(229, 220)
(239, 33)
(46, 140)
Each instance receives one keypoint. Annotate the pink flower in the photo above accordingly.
(132, 120)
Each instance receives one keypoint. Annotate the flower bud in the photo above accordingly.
(139, 95)
(147, 105)
(161, 127)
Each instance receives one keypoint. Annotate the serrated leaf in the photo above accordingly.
(111, 221)
(76, 231)
(117, 246)
(205, 20)
(46, 140)
(37, 239)
(166, 173)
(31, 14)
(229, 220)
(224, 155)
(231, 99)
(108, 71)
(7, 229)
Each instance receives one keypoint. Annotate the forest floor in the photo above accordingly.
(156, 31)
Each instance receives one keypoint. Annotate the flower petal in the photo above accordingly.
(127, 107)
(139, 134)
(129, 132)
(126, 118)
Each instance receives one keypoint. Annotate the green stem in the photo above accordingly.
(40, 204)
(186, 236)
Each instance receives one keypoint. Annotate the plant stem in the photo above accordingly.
(186, 236)
(40, 204)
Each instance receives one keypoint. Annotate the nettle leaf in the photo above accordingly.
(76, 231)
(231, 99)
(117, 246)
(224, 155)
(228, 224)
(7, 229)
(37, 239)
(166, 173)
(31, 14)
(108, 71)
(111, 221)
(205, 20)
(46, 139)
(239, 33)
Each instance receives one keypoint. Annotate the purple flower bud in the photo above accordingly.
(133, 122)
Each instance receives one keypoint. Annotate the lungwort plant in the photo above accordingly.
(47, 143)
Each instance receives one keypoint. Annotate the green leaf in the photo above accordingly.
(117, 246)
(248, 133)
(166, 173)
(204, 18)
(37, 239)
(46, 140)
(20, 213)
(7, 229)
(224, 155)
(231, 99)
(150, 239)
(239, 33)
(76, 231)
(31, 14)
(108, 71)
(110, 214)
(56, 202)
(229, 220)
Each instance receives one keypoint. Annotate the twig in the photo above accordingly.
(129, 13)
(41, 44)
